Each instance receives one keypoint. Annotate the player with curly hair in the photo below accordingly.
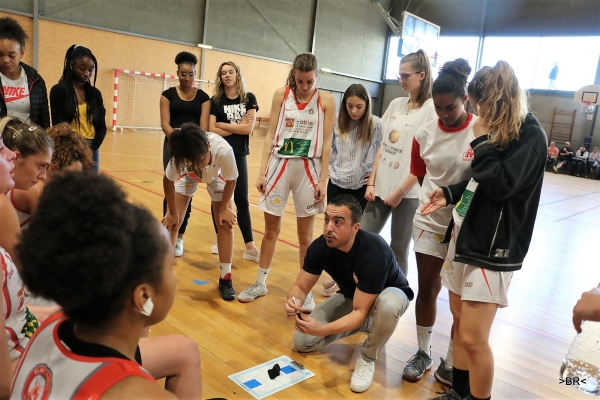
(109, 265)
(203, 157)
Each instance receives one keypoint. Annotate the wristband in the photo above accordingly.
(402, 190)
(370, 185)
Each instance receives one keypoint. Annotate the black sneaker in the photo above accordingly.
(226, 288)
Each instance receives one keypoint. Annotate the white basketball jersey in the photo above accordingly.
(49, 370)
(299, 130)
(23, 215)
(15, 312)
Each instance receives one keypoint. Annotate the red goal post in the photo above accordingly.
(136, 98)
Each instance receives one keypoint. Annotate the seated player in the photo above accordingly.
(373, 295)
(109, 265)
(198, 156)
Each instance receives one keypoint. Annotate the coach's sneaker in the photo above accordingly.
(330, 288)
(451, 395)
(309, 304)
(215, 248)
(416, 366)
(252, 255)
(226, 288)
(251, 293)
(443, 375)
(362, 377)
(179, 247)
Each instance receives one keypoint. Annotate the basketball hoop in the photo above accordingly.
(588, 98)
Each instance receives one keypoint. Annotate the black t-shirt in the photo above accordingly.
(371, 259)
(565, 150)
(182, 111)
(232, 111)
(86, 349)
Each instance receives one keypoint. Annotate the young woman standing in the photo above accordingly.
(232, 116)
(78, 102)
(295, 157)
(492, 222)
(441, 155)
(22, 90)
(356, 139)
(178, 105)
(392, 188)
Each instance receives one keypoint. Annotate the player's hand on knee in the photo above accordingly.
(227, 216)
(170, 221)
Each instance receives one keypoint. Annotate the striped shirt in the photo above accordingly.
(352, 161)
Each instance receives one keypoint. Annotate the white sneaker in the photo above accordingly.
(215, 248)
(362, 377)
(251, 293)
(252, 255)
(309, 304)
(179, 247)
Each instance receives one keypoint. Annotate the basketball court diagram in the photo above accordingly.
(257, 382)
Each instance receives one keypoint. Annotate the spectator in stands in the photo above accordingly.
(592, 163)
(552, 155)
(564, 157)
(579, 160)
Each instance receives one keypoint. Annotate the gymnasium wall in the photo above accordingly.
(348, 36)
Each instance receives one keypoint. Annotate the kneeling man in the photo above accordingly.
(373, 295)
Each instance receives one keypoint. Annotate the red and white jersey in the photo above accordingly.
(299, 130)
(15, 312)
(49, 370)
(222, 164)
(443, 157)
(399, 126)
(22, 215)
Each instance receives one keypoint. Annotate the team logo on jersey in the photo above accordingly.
(38, 383)
(394, 136)
(468, 155)
(289, 122)
(295, 147)
(276, 200)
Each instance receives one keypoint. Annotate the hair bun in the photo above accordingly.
(186, 57)
(460, 67)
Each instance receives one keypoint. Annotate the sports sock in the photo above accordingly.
(261, 277)
(225, 269)
(460, 382)
(449, 362)
(424, 334)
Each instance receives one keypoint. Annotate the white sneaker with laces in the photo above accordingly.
(309, 304)
(362, 377)
(215, 248)
(179, 247)
(252, 255)
(251, 293)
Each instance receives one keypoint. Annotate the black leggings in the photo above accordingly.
(188, 212)
(240, 198)
(358, 194)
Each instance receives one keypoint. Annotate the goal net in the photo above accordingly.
(137, 97)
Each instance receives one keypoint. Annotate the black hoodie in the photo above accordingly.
(38, 98)
(498, 225)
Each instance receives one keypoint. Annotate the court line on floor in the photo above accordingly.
(567, 198)
(580, 212)
(195, 208)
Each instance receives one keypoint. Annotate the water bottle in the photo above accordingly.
(581, 368)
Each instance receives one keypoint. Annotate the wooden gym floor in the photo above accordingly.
(529, 338)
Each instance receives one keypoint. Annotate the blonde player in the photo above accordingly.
(295, 158)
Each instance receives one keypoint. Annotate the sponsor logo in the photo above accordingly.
(468, 284)
(310, 207)
(38, 383)
(295, 147)
(276, 200)
(396, 165)
(289, 122)
(394, 136)
(501, 253)
(468, 155)
(393, 117)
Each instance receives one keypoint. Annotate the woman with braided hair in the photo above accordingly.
(76, 101)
